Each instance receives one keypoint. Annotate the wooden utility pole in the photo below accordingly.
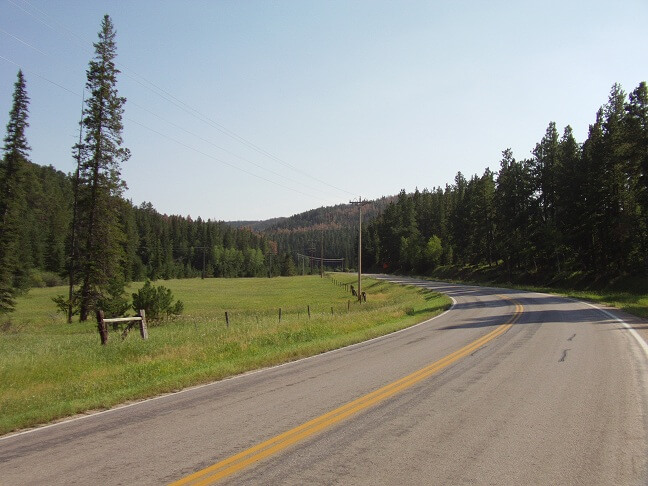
(360, 203)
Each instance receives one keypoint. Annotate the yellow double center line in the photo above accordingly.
(272, 446)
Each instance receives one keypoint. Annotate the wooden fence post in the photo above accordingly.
(103, 331)
(280, 314)
(309, 311)
(227, 318)
(143, 328)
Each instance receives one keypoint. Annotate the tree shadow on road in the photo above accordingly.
(552, 317)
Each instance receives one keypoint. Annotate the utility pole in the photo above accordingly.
(74, 215)
(360, 203)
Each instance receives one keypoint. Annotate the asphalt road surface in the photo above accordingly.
(506, 387)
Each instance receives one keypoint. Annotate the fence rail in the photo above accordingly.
(102, 324)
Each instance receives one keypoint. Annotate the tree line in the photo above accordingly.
(78, 228)
(333, 230)
(570, 207)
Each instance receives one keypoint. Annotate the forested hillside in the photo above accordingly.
(334, 227)
(157, 245)
(570, 207)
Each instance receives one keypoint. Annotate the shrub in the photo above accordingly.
(43, 278)
(156, 301)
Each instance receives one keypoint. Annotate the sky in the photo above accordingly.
(249, 110)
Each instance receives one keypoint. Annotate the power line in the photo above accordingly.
(189, 147)
(80, 40)
(175, 125)
(222, 161)
(164, 94)
(40, 76)
(22, 41)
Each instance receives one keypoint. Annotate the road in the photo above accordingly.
(506, 387)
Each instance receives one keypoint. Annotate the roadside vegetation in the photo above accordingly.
(50, 369)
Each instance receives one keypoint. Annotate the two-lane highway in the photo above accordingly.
(505, 388)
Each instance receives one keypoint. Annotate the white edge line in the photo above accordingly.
(641, 341)
(235, 377)
(633, 332)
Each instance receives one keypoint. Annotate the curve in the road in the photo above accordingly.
(236, 463)
(559, 398)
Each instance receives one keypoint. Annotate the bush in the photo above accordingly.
(156, 301)
(43, 278)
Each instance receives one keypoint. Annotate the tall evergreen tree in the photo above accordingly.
(571, 203)
(514, 211)
(16, 150)
(620, 209)
(544, 168)
(100, 233)
(636, 129)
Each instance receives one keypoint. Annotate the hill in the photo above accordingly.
(334, 226)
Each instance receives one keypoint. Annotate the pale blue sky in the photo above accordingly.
(329, 100)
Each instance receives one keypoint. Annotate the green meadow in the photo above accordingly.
(50, 369)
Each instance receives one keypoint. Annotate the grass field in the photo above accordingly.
(50, 369)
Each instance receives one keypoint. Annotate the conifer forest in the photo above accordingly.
(570, 207)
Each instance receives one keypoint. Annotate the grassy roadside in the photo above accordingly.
(629, 294)
(50, 370)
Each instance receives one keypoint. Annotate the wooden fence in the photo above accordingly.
(102, 324)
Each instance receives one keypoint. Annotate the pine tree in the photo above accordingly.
(593, 219)
(636, 129)
(100, 234)
(514, 213)
(571, 203)
(544, 171)
(544, 168)
(12, 273)
(620, 201)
